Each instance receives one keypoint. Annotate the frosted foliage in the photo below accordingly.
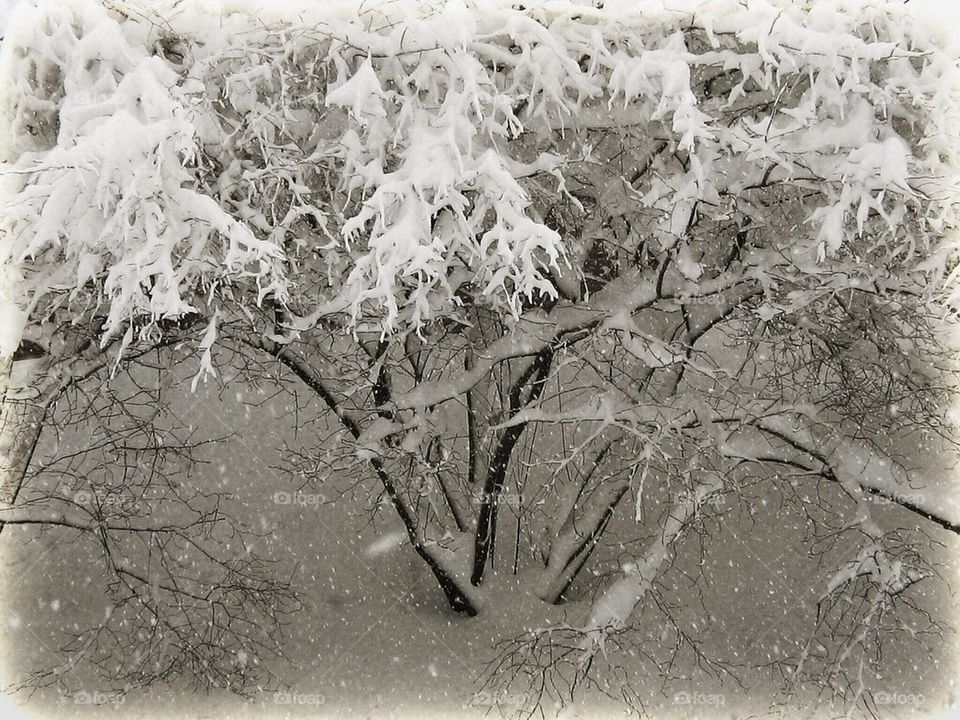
(383, 166)
(112, 211)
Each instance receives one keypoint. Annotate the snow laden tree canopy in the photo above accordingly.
(619, 265)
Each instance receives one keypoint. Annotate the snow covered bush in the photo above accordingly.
(652, 254)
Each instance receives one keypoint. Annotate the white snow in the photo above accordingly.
(386, 544)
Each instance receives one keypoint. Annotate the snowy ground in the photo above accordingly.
(377, 641)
